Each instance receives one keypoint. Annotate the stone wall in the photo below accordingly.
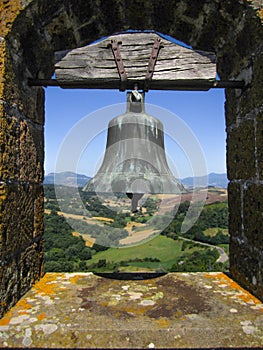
(21, 174)
(30, 32)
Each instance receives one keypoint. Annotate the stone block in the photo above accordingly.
(19, 274)
(246, 266)
(34, 108)
(235, 209)
(11, 92)
(251, 98)
(231, 107)
(22, 150)
(31, 152)
(39, 212)
(253, 215)
(20, 218)
(30, 265)
(229, 60)
(9, 286)
(9, 148)
(259, 144)
(250, 37)
(241, 162)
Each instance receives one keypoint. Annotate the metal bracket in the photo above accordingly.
(119, 63)
(152, 61)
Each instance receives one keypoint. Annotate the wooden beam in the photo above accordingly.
(96, 61)
(187, 85)
(98, 66)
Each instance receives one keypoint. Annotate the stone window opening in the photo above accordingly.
(233, 32)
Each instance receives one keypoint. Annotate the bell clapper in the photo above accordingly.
(135, 197)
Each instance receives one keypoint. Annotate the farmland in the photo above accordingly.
(121, 241)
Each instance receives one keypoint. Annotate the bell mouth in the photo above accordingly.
(134, 184)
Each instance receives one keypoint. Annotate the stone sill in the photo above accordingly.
(177, 310)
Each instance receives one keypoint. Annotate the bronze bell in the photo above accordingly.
(134, 162)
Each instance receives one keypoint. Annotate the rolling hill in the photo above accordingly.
(68, 178)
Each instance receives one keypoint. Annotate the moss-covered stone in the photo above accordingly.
(259, 144)
(231, 107)
(31, 152)
(251, 99)
(9, 144)
(21, 213)
(172, 311)
(241, 158)
(235, 208)
(253, 215)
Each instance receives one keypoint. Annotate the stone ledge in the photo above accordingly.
(177, 310)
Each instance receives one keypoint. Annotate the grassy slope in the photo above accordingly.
(163, 248)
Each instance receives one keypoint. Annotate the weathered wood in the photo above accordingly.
(96, 61)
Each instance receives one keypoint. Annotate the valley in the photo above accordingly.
(143, 241)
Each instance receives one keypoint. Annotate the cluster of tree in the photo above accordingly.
(120, 220)
(146, 259)
(104, 265)
(50, 198)
(75, 198)
(198, 261)
(49, 191)
(106, 235)
(95, 207)
(197, 235)
(213, 215)
(190, 245)
(150, 205)
(63, 251)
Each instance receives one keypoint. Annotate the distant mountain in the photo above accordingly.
(67, 178)
(215, 180)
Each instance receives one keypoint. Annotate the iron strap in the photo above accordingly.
(119, 63)
(152, 61)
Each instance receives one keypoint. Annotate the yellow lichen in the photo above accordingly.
(23, 312)
(6, 319)
(163, 322)
(23, 305)
(48, 284)
(8, 13)
(221, 278)
(75, 278)
(41, 316)
(137, 311)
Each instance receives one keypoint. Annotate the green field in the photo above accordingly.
(161, 247)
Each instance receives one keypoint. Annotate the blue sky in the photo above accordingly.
(202, 112)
